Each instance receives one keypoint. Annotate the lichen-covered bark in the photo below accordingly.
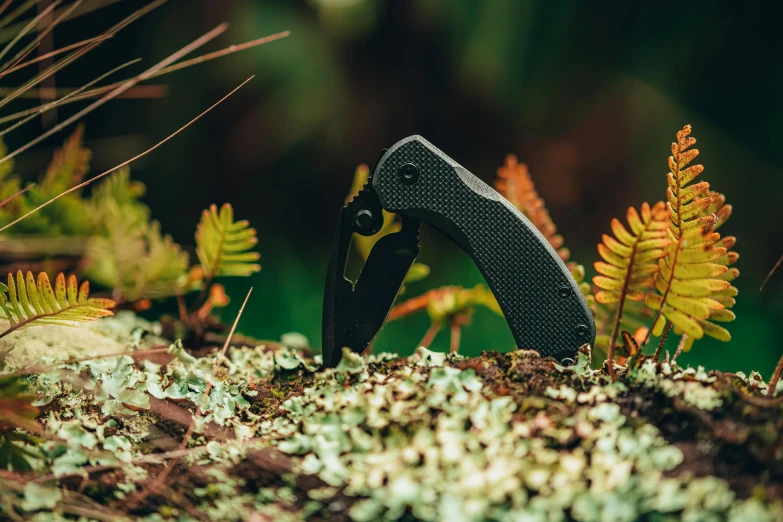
(503, 436)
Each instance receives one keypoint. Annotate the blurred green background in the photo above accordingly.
(589, 94)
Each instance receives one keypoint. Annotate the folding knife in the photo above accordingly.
(540, 299)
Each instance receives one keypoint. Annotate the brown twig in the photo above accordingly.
(85, 183)
(657, 355)
(773, 382)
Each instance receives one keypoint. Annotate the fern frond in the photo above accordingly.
(133, 257)
(26, 301)
(693, 281)
(630, 259)
(223, 245)
(68, 166)
(513, 182)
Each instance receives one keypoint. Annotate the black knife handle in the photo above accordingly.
(539, 297)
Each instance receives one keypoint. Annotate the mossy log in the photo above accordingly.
(502, 436)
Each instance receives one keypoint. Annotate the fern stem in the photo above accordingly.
(680, 346)
(455, 336)
(35, 318)
(657, 355)
(623, 294)
(666, 293)
(773, 382)
(432, 331)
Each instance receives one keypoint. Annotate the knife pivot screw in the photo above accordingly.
(408, 173)
(564, 292)
(582, 330)
(364, 220)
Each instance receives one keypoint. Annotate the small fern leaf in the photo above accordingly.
(223, 245)
(630, 259)
(693, 282)
(513, 182)
(68, 165)
(26, 301)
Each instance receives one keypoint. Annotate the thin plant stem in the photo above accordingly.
(204, 397)
(62, 100)
(657, 355)
(19, 193)
(774, 268)
(665, 294)
(430, 335)
(26, 29)
(680, 346)
(100, 90)
(54, 53)
(122, 88)
(773, 382)
(455, 336)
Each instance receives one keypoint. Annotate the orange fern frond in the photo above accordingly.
(513, 182)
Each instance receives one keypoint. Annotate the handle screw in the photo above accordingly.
(364, 220)
(408, 173)
(564, 292)
(582, 330)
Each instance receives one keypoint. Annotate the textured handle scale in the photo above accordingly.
(539, 297)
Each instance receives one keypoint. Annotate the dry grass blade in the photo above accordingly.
(74, 56)
(98, 91)
(11, 198)
(65, 98)
(172, 68)
(22, 54)
(87, 7)
(159, 480)
(5, 6)
(27, 28)
(55, 53)
(87, 182)
(122, 88)
(11, 32)
(769, 275)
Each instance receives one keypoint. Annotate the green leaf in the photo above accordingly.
(35, 302)
(224, 246)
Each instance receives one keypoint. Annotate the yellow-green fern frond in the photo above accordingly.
(68, 165)
(693, 282)
(630, 259)
(722, 211)
(688, 283)
(26, 301)
(223, 245)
